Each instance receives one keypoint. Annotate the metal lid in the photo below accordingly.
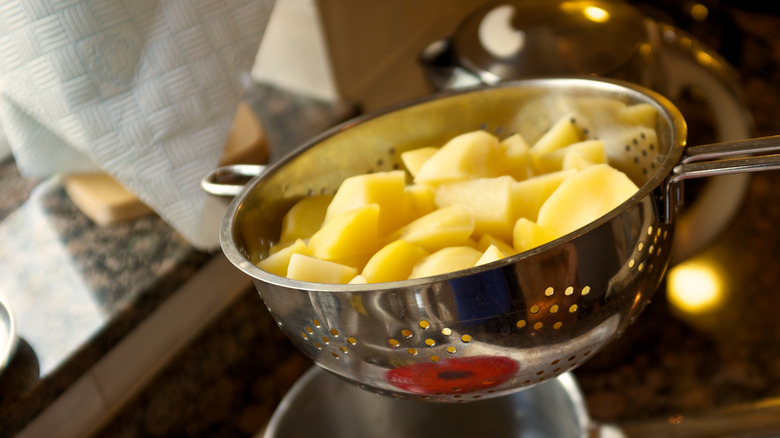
(512, 39)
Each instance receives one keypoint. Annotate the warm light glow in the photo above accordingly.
(699, 12)
(598, 15)
(695, 287)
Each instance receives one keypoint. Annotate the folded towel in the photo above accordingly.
(142, 90)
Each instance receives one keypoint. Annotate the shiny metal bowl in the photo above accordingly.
(500, 327)
(320, 404)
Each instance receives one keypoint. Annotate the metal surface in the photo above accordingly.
(8, 338)
(485, 331)
(513, 39)
(320, 404)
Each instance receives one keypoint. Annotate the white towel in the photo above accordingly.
(144, 90)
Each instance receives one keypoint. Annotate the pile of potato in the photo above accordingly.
(474, 200)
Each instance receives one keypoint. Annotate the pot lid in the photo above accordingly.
(511, 39)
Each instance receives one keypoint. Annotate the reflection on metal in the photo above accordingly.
(595, 14)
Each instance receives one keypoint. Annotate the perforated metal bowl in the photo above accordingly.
(500, 327)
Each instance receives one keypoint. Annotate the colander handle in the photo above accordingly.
(726, 158)
(230, 180)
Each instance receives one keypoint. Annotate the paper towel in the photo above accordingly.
(144, 90)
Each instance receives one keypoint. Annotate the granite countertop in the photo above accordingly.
(228, 382)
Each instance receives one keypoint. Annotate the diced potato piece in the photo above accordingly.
(592, 150)
(487, 240)
(304, 218)
(415, 158)
(466, 156)
(277, 262)
(358, 279)
(584, 197)
(450, 259)
(529, 195)
(449, 226)
(640, 114)
(421, 200)
(491, 254)
(385, 189)
(349, 234)
(515, 157)
(577, 161)
(306, 268)
(561, 134)
(489, 199)
(528, 235)
(394, 262)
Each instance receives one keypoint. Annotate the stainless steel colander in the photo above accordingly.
(500, 327)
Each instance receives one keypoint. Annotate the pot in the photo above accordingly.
(320, 404)
(498, 328)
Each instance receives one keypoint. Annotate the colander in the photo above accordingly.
(497, 328)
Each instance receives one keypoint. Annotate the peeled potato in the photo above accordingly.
(312, 269)
(394, 262)
(470, 155)
(584, 197)
(450, 259)
(472, 201)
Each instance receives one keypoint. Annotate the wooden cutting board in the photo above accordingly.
(104, 200)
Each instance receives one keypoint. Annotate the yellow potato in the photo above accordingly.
(394, 262)
(277, 262)
(515, 157)
(488, 199)
(642, 114)
(449, 226)
(529, 235)
(450, 259)
(414, 159)
(529, 195)
(304, 218)
(420, 200)
(584, 197)
(491, 254)
(487, 240)
(385, 189)
(470, 155)
(474, 200)
(592, 150)
(307, 268)
(350, 234)
(561, 134)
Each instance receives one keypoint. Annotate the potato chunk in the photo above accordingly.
(561, 134)
(449, 226)
(584, 197)
(529, 235)
(277, 262)
(385, 189)
(491, 254)
(488, 199)
(414, 159)
(450, 259)
(350, 234)
(306, 268)
(466, 156)
(394, 262)
(304, 218)
(591, 150)
(515, 157)
(529, 195)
